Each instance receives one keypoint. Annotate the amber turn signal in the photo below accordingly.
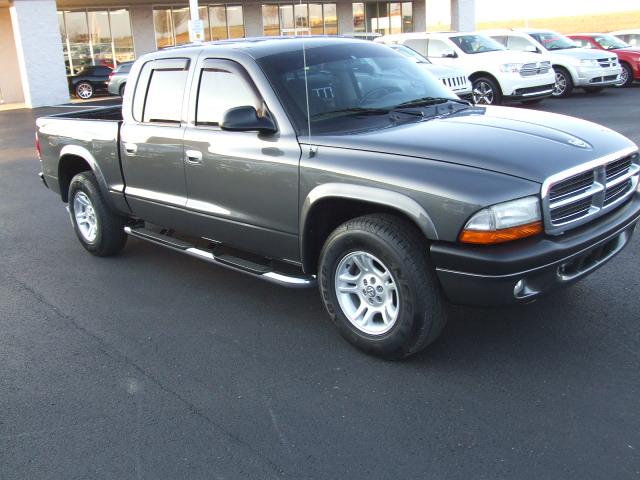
(502, 235)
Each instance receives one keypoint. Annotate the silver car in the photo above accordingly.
(118, 79)
(454, 78)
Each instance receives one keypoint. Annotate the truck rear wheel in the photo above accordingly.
(379, 288)
(99, 229)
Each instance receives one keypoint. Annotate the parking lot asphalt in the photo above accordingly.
(155, 365)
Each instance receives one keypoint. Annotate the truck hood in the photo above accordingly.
(581, 53)
(524, 143)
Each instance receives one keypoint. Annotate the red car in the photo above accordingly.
(629, 56)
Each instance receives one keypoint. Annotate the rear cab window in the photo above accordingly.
(160, 91)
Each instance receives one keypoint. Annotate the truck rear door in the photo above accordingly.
(151, 141)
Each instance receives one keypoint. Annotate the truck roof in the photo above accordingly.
(262, 46)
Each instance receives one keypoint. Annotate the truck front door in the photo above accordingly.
(245, 183)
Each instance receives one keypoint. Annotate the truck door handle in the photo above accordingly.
(193, 156)
(130, 148)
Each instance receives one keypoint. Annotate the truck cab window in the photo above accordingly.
(163, 103)
(219, 91)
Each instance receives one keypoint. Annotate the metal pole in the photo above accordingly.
(193, 7)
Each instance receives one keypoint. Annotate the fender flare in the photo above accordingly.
(87, 156)
(366, 194)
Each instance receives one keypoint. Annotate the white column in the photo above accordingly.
(144, 37)
(40, 55)
(252, 19)
(463, 15)
(344, 11)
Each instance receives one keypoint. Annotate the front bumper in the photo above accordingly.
(531, 93)
(522, 271)
(597, 76)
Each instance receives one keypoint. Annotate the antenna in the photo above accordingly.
(306, 83)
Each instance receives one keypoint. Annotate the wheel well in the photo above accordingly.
(474, 76)
(69, 167)
(328, 214)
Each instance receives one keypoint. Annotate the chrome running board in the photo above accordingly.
(231, 262)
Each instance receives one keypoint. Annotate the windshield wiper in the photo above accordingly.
(361, 111)
(427, 101)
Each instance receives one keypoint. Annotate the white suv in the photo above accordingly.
(496, 74)
(574, 66)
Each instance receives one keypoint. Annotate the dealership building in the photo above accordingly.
(44, 41)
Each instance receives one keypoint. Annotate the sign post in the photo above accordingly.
(196, 26)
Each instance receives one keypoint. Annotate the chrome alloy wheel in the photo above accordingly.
(85, 216)
(367, 293)
(560, 85)
(624, 77)
(483, 93)
(84, 91)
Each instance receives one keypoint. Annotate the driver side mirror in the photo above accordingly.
(448, 54)
(246, 119)
(531, 49)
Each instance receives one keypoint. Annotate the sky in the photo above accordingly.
(493, 10)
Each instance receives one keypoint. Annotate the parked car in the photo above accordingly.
(384, 189)
(497, 75)
(89, 81)
(118, 79)
(573, 66)
(628, 56)
(632, 36)
(454, 78)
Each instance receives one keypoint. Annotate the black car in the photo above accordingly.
(89, 80)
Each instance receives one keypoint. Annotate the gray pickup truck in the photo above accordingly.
(340, 162)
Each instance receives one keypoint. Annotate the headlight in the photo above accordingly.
(511, 67)
(504, 222)
(588, 62)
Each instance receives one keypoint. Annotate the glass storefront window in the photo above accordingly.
(95, 37)
(181, 18)
(359, 24)
(383, 17)
(121, 35)
(299, 19)
(286, 20)
(100, 34)
(407, 17)
(302, 18)
(315, 19)
(235, 21)
(270, 20)
(163, 27)
(330, 19)
(218, 21)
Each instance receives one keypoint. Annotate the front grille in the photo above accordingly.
(608, 62)
(539, 68)
(573, 198)
(455, 83)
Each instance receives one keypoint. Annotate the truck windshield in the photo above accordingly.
(476, 44)
(350, 87)
(553, 41)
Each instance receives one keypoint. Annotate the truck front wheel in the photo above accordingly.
(99, 229)
(379, 288)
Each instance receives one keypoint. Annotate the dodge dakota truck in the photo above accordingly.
(341, 163)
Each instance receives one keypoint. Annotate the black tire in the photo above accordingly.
(593, 89)
(121, 89)
(564, 83)
(84, 90)
(479, 84)
(627, 75)
(110, 237)
(421, 312)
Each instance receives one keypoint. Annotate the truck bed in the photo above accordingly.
(112, 113)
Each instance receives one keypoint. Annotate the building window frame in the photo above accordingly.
(364, 12)
(305, 29)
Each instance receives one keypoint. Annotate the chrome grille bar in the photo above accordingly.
(581, 194)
